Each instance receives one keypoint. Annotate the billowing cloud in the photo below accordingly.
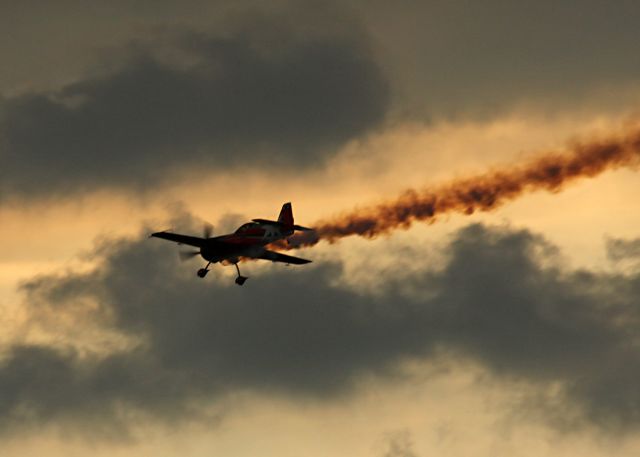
(502, 299)
(482, 58)
(620, 249)
(253, 97)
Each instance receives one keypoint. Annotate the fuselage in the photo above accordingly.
(249, 240)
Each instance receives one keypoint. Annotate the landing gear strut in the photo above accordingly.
(240, 279)
(202, 272)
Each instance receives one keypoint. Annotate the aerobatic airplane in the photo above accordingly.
(248, 241)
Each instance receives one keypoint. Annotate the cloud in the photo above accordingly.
(502, 299)
(399, 444)
(619, 249)
(261, 94)
(483, 58)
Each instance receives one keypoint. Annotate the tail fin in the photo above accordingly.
(286, 215)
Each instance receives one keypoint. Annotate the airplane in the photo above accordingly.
(248, 241)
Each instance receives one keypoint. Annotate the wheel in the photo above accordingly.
(240, 280)
(202, 272)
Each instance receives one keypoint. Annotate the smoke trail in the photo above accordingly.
(550, 171)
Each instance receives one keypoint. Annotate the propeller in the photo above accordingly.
(186, 255)
(207, 230)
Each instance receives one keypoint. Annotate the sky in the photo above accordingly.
(506, 332)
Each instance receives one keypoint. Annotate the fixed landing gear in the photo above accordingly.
(202, 272)
(240, 279)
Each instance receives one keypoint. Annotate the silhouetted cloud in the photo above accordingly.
(502, 299)
(619, 249)
(451, 58)
(445, 58)
(253, 97)
(258, 93)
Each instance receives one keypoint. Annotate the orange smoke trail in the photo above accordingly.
(550, 171)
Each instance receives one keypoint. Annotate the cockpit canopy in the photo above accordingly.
(244, 228)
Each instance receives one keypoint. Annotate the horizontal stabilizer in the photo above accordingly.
(300, 227)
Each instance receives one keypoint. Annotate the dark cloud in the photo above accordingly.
(445, 58)
(620, 250)
(501, 299)
(451, 58)
(263, 94)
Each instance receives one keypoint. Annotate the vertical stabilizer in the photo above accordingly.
(286, 215)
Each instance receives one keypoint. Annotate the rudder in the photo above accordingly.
(286, 215)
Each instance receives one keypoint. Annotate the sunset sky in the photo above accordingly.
(512, 332)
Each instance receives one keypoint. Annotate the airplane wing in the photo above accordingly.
(181, 239)
(277, 257)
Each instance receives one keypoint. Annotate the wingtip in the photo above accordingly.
(156, 234)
